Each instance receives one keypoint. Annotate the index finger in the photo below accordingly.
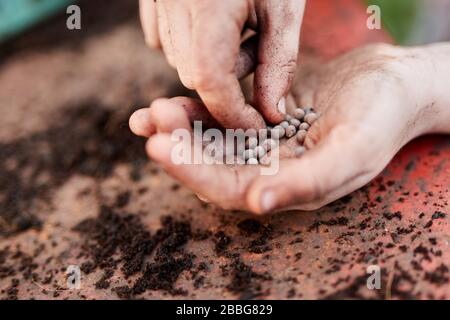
(216, 32)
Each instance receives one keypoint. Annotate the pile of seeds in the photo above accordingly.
(296, 125)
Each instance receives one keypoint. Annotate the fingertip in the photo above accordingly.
(272, 105)
(168, 115)
(140, 123)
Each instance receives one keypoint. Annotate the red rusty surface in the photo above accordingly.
(399, 222)
(333, 27)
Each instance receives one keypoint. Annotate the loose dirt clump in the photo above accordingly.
(115, 238)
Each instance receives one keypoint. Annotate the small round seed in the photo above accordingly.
(288, 117)
(269, 144)
(260, 152)
(301, 135)
(307, 110)
(284, 124)
(265, 161)
(290, 131)
(304, 126)
(263, 133)
(310, 118)
(252, 161)
(278, 132)
(299, 151)
(248, 154)
(295, 122)
(299, 113)
(251, 143)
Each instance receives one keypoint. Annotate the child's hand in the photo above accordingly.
(202, 40)
(372, 102)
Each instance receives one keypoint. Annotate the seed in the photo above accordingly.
(249, 153)
(260, 152)
(299, 151)
(290, 131)
(299, 113)
(304, 126)
(251, 143)
(278, 132)
(284, 124)
(310, 118)
(269, 144)
(252, 161)
(288, 117)
(301, 135)
(295, 122)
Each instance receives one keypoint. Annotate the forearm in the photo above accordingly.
(429, 80)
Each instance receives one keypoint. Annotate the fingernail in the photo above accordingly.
(268, 201)
(282, 105)
(202, 198)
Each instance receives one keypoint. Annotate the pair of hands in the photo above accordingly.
(371, 105)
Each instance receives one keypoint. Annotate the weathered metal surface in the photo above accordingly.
(399, 222)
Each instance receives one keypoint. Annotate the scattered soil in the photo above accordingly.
(130, 258)
(340, 221)
(115, 238)
(245, 282)
(264, 233)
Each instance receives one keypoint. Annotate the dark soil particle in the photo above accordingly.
(340, 221)
(104, 282)
(251, 227)
(291, 293)
(123, 199)
(390, 215)
(438, 215)
(423, 252)
(222, 242)
(351, 291)
(12, 291)
(199, 282)
(440, 276)
(111, 232)
(162, 275)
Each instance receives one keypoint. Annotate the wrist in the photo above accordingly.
(426, 74)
